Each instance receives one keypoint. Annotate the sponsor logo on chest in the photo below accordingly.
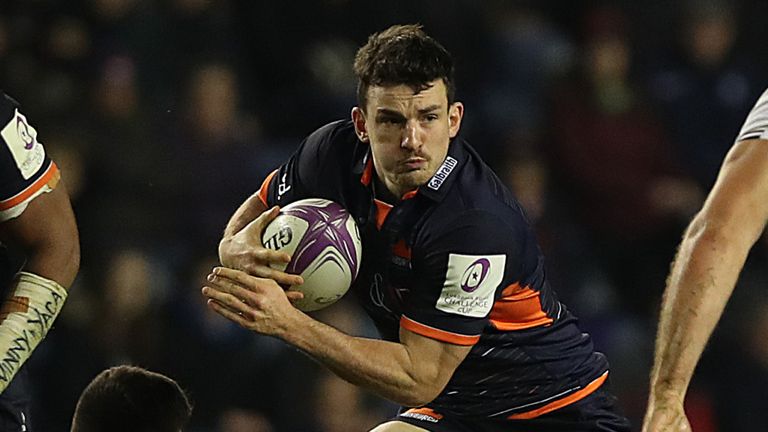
(442, 173)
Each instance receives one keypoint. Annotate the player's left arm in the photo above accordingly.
(47, 235)
(411, 373)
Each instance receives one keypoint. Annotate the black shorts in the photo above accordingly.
(595, 413)
(15, 402)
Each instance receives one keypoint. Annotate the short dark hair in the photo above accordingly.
(402, 54)
(131, 399)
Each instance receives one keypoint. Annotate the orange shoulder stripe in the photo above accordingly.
(437, 334)
(50, 177)
(518, 308)
(264, 189)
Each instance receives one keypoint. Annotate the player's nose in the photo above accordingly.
(411, 139)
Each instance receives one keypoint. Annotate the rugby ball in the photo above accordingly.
(324, 243)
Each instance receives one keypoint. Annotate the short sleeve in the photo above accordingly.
(308, 173)
(756, 124)
(460, 272)
(25, 169)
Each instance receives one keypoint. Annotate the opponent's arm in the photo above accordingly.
(703, 275)
(412, 372)
(47, 234)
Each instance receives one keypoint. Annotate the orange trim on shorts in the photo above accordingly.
(50, 177)
(518, 308)
(437, 334)
(573, 397)
(382, 210)
(264, 189)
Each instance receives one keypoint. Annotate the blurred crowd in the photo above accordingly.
(607, 119)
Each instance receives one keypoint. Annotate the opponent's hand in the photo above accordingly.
(257, 304)
(666, 417)
(245, 251)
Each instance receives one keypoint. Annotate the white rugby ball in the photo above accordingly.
(324, 243)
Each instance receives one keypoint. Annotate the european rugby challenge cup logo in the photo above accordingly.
(23, 130)
(475, 274)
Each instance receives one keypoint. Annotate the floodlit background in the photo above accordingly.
(609, 121)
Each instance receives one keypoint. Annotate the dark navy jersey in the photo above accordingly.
(456, 261)
(25, 170)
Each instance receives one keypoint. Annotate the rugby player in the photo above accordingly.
(36, 221)
(473, 336)
(708, 262)
(131, 399)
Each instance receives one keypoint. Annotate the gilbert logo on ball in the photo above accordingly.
(324, 243)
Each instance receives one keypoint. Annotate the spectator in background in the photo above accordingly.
(704, 273)
(740, 394)
(131, 399)
(212, 144)
(211, 342)
(528, 53)
(130, 327)
(706, 88)
(128, 175)
(610, 158)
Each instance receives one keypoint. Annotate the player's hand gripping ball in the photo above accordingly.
(324, 243)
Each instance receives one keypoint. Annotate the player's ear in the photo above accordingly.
(455, 114)
(358, 119)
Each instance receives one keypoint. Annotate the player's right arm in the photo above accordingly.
(704, 273)
(240, 247)
(37, 220)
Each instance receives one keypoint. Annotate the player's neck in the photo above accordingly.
(382, 193)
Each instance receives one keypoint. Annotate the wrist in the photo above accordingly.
(290, 328)
(668, 392)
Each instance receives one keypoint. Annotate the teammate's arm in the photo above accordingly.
(412, 372)
(47, 235)
(703, 275)
(240, 247)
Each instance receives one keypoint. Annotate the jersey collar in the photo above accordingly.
(437, 186)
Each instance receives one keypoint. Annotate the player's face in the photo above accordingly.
(408, 132)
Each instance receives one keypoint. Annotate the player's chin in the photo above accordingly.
(413, 179)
